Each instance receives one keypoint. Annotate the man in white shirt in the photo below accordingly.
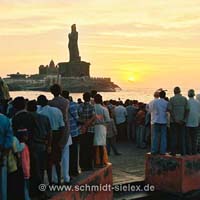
(160, 125)
(149, 109)
(120, 115)
(192, 123)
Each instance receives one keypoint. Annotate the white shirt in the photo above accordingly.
(120, 114)
(193, 119)
(55, 116)
(160, 111)
(151, 110)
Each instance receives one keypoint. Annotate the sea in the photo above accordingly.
(141, 94)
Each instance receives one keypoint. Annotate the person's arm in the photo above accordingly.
(9, 136)
(62, 127)
(106, 115)
(170, 110)
(49, 136)
(187, 110)
(114, 127)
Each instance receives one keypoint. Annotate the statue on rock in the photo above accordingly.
(73, 45)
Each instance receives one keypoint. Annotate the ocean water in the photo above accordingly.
(141, 94)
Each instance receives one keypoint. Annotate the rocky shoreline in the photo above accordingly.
(72, 85)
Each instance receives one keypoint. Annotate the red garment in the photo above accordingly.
(140, 117)
(26, 162)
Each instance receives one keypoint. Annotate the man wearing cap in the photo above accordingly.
(192, 123)
(178, 107)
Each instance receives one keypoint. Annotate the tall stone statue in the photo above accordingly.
(73, 45)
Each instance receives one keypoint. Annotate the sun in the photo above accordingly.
(131, 79)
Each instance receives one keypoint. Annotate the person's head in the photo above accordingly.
(198, 97)
(19, 103)
(79, 100)
(55, 90)
(98, 99)
(22, 135)
(42, 100)
(32, 106)
(65, 94)
(73, 28)
(127, 102)
(156, 94)
(86, 96)
(191, 93)
(135, 102)
(93, 93)
(162, 94)
(141, 106)
(177, 90)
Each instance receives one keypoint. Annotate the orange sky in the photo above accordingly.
(137, 43)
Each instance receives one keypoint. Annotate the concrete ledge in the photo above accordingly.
(180, 174)
(101, 177)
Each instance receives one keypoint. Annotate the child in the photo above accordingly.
(25, 160)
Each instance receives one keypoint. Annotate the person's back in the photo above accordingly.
(22, 119)
(43, 127)
(62, 104)
(120, 114)
(161, 106)
(5, 132)
(131, 112)
(73, 119)
(178, 106)
(86, 111)
(193, 118)
(54, 115)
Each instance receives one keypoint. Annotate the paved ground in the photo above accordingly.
(129, 166)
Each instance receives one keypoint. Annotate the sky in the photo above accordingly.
(138, 43)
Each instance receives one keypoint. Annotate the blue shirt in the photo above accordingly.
(120, 114)
(73, 119)
(55, 116)
(160, 108)
(6, 134)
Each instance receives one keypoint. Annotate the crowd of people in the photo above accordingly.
(64, 137)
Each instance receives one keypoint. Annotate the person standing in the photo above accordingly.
(4, 96)
(6, 142)
(192, 123)
(74, 132)
(63, 104)
(131, 113)
(160, 125)
(24, 121)
(57, 127)
(120, 115)
(150, 109)
(102, 118)
(178, 108)
(111, 135)
(41, 138)
(86, 114)
(140, 126)
(198, 129)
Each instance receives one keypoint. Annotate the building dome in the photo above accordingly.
(52, 64)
